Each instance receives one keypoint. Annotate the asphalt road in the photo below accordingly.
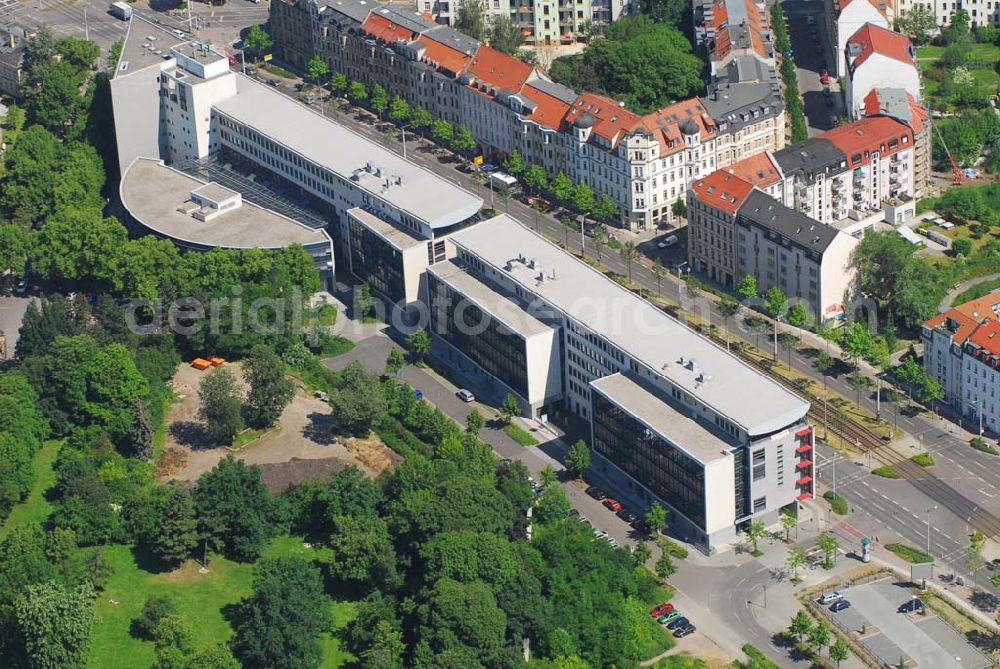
(11, 314)
(819, 107)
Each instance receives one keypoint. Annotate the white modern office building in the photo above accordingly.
(184, 109)
(673, 417)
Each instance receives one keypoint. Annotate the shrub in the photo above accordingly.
(923, 459)
(673, 549)
(837, 503)
(886, 472)
(909, 553)
(980, 445)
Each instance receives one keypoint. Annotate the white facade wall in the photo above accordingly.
(980, 392)
(186, 110)
(837, 278)
(879, 71)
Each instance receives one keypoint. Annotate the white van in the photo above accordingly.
(499, 180)
(830, 597)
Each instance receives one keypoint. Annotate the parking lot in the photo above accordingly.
(895, 637)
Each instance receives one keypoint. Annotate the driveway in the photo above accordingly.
(11, 314)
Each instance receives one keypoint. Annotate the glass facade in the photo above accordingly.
(375, 262)
(647, 457)
(478, 335)
(740, 457)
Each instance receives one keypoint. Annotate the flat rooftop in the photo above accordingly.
(419, 192)
(634, 325)
(500, 307)
(689, 435)
(396, 236)
(145, 44)
(153, 193)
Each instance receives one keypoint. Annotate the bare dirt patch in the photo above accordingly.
(375, 455)
(304, 441)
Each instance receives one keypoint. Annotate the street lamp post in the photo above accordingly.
(583, 229)
(403, 130)
(929, 528)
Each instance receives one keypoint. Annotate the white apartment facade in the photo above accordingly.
(879, 58)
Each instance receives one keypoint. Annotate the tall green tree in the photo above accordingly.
(561, 187)
(420, 343)
(317, 70)
(510, 408)
(583, 198)
(270, 391)
(755, 531)
(279, 624)
(839, 651)
(356, 400)
(399, 110)
(234, 509)
(394, 362)
(505, 35)
(828, 544)
(362, 551)
(801, 625)
(665, 567)
(536, 179)
(257, 41)
(55, 623)
(463, 140)
(471, 19)
(656, 518)
(220, 405)
(819, 636)
(379, 100)
(629, 252)
(442, 131)
(176, 534)
(514, 163)
(747, 287)
(578, 459)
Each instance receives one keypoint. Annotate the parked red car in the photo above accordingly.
(824, 77)
(613, 504)
(658, 611)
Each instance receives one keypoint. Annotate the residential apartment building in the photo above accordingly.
(673, 417)
(962, 353)
(541, 21)
(901, 105)
(13, 40)
(851, 171)
(845, 18)
(644, 163)
(879, 58)
(728, 29)
(736, 230)
(192, 112)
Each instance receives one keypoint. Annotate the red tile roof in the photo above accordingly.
(987, 337)
(872, 39)
(722, 190)
(550, 110)
(758, 169)
(665, 124)
(968, 319)
(719, 25)
(443, 56)
(498, 69)
(611, 120)
(858, 140)
(386, 30)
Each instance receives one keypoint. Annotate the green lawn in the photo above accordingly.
(200, 599)
(909, 553)
(520, 435)
(929, 52)
(977, 291)
(35, 509)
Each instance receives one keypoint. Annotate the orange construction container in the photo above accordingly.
(200, 363)
(217, 361)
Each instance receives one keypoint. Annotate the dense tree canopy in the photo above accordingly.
(639, 61)
(234, 509)
(903, 285)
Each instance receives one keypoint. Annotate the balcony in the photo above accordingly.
(804, 432)
(804, 496)
(837, 185)
(805, 464)
(804, 448)
(804, 481)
